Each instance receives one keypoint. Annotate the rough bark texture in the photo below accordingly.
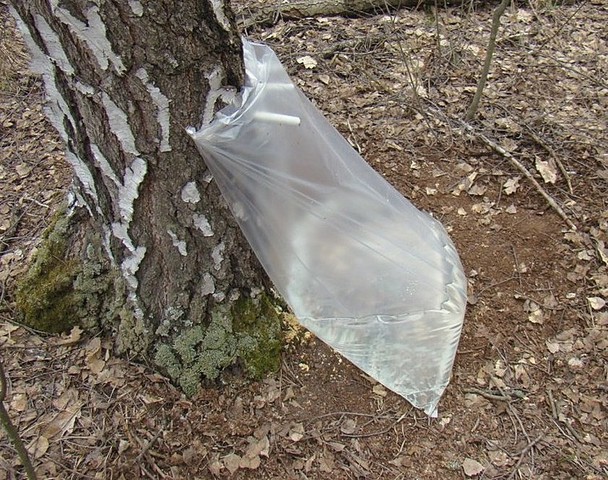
(124, 79)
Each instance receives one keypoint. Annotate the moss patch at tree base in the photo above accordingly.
(68, 282)
(258, 325)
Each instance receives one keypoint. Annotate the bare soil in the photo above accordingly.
(529, 393)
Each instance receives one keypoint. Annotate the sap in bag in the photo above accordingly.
(360, 266)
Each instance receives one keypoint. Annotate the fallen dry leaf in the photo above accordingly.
(602, 251)
(324, 78)
(96, 365)
(499, 458)
(536, 317)
(348, 427)
(23, 170)
(38, 447)
(93, 347)
(307, 61)
(261, 447)
(296, 432)
(552, 346)
(72, 338)
(250, 463)
(326, 462)
(547, 170)
(215, 466)
(511, 185)
(508, 144)
(19, 402)
(232, 462)
(379, 390)
(472, 467)
(596, 303)
(478, 190)
(62, 423)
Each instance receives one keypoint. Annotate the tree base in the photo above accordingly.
(71, 283)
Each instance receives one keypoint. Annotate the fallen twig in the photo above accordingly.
(148, 445)
(17, 215)
(551, 152)
(489, 394)
(523, 454)
(554, 413)
(380, 432)
(517, 164)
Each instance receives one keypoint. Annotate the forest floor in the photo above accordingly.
(529, 394)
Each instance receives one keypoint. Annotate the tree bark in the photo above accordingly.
(124, 79)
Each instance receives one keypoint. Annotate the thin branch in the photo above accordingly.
(551, 152)
(558, 31)
(488, 61)
(17, 215)
(489, 395)
(517, 164)
(11, 431)
(522, 455)
(148, 446)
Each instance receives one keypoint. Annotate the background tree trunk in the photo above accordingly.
(158, 259)
(271, 13)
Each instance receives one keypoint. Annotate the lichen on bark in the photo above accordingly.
(247, 333)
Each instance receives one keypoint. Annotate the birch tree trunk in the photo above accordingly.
(156, 259)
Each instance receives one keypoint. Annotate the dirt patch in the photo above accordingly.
(528, 397)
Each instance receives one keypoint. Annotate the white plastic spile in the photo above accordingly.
(359, 265)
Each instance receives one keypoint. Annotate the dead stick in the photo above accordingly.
(554, 414)
(147, 447)
(497, 148)
(4, 241)
(517, 164)
(489, 395)
(562, 169)
(11, 431)
(523, 453)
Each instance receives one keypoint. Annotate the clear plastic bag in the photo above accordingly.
(360, 266)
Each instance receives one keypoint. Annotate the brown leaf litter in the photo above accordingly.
(529, 393)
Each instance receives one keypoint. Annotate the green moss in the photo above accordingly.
(67, 284)
(45, 294)
(133, 338)
(186, 344)
(190, 381)
(258, 328)
(248, 333)
(218, 348)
